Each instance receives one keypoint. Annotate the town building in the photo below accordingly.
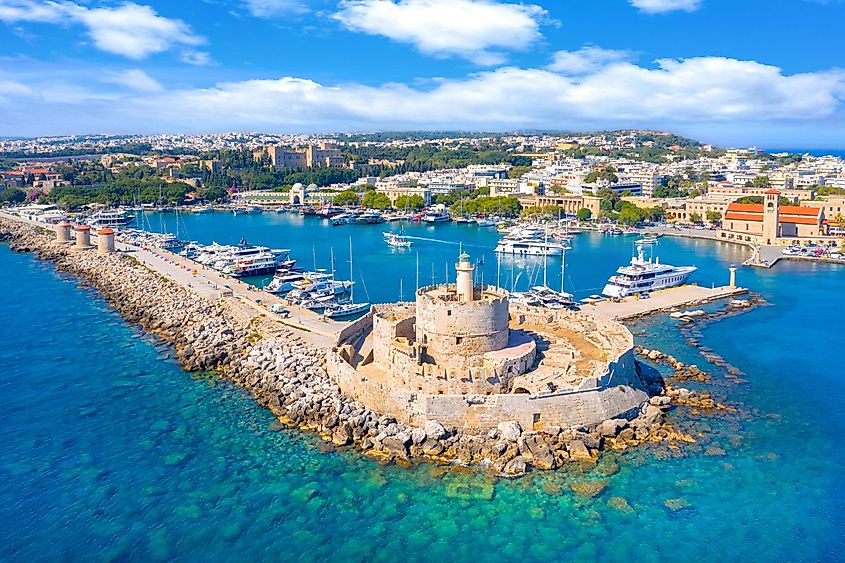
(570, 203)
(771, 223)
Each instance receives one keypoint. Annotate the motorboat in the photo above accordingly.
(436, 217)
(283, 281)
(645, 275)
(530, 247)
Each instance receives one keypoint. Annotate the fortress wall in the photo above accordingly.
(618, 394)
(356, 329)
(584, 408)
(473, 318)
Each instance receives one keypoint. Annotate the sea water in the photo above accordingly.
(109, 451)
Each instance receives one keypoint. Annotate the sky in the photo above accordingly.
(767, 73)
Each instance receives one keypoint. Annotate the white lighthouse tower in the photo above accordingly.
(463, 283)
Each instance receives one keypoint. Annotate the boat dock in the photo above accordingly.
(661, 302)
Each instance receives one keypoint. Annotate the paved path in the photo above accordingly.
(661, 301)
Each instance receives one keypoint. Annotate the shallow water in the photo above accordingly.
(110, 451)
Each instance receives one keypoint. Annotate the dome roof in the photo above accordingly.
(298, 186)
(83, 228)
(106, 231)
(63, 224)
(312, 186)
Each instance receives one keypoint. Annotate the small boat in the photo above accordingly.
(436, 217)
(343, 310)
(482, 222)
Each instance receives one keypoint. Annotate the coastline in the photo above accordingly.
(286, 373)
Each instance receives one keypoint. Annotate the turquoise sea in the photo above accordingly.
(109, 451)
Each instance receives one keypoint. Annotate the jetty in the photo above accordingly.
(662, 301)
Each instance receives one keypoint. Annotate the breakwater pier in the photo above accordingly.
(663, 301)
(284, 364)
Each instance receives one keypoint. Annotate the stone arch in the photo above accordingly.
(521, 391)
(295, 200)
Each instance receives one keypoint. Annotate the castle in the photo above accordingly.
(464, 356)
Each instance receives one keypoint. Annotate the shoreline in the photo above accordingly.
(286, 372)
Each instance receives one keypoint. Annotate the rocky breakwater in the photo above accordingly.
(287, 374)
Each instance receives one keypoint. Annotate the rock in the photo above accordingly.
(432, 447)
(660, 401)
(588, 489)
(652, 415)
(676, 504)
(620, 504)
(551, 488)
(510, 430)
(715, 451)
(341, 437)
(396, 445)
(418, 436)
(434, 430)
(610, 428)
(578, 451)
(515, 467)
(536, 452)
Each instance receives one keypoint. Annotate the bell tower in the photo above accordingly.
(771, 216)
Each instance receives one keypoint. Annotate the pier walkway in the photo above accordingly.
(246, 299)
(661, 302)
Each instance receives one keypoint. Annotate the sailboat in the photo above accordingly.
(350, 309)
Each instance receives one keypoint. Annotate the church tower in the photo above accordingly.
(771, 216)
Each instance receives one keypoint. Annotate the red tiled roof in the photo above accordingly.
(747, 207)
(743, 217)
(800, 220)
(797, 210)
(772, 192)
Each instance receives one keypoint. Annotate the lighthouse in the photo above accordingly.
(463, 283)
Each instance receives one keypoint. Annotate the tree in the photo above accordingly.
(518, 171)
(713, 217)
(413, 202)
(695, 218)
(376, 200)
(584, 214)
(761, 182)
(346, 197)
(12, 195)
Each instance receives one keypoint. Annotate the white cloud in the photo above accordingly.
(196, 58)
(478, 30)
(275, 8)
(663, 6)
(134, 79)
(586, 60)
(706, 92)
(130, 30)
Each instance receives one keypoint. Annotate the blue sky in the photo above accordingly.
(737, 72)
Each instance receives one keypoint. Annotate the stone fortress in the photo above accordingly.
(463, 356)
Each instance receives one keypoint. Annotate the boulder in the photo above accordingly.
(432, 447)
(515, 467)
(434, 430)
(510, 430)
(660, 401)
(418, 436)
(396, 445)
(536, 452)
(578, 451)
(611, 428)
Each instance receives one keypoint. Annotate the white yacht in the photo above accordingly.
(642, 276)
(529, 247)
(283, 281)
(109, 218)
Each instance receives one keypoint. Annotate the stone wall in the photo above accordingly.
(460, 332)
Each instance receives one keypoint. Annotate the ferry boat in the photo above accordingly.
(109, 218)
(436, 217)
(529, 247)
(643, 276)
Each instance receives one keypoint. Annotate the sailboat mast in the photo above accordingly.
(418, 271)
(545, 258)
(563, 271)
(352, 287)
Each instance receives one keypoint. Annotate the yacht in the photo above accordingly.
(369, 218)
(283, 281)
(436, 217)
(530, 247)
(262, 263)
(643, 276)
(109, 218)
(345, 218)
(485, 222)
